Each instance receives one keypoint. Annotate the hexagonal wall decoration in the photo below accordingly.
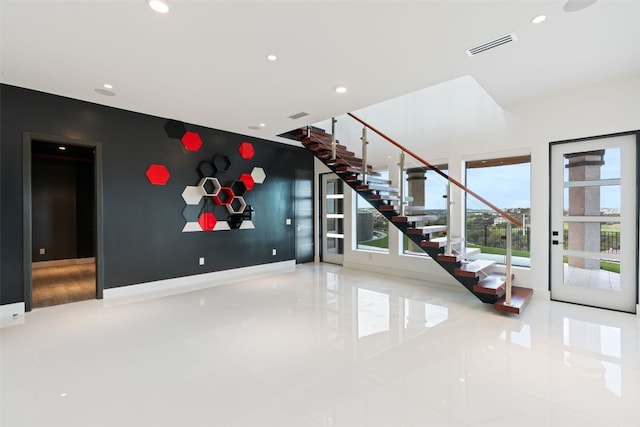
(191, 213)
(237, 205)
(210, 186)
(224, 197)
(158, 174)
(234, 221)
(175, 129)
(239, 188)
(191, 141)
(206, 169)
(221, 163)
(222, 226)
(248, 181)
(190, 227)
(246, 150)
(192, 194)
(207, 221)
(247, 225)
(258, 175)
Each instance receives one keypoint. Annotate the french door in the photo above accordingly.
(332, 219)
(594, 213)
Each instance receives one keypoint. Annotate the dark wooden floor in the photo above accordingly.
(61, 285)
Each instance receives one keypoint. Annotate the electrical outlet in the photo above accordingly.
(201, 260)
(288, 221)
(273, 252)
(43, 251)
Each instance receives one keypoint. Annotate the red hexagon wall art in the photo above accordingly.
(191, 141)
(246, 150)
(207, 221)
(158, 174)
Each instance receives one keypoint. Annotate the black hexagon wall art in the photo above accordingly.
(175, 129)
(206, 169)
(221, 163)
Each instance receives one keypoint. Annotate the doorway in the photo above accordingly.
(332, 218)
(594, 217)
(62, 217)
(304, 216)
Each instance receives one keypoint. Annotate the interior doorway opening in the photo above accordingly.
(62, 206)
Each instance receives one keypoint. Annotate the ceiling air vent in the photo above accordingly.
(491, 44)
(298, 115)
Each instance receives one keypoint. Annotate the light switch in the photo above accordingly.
(288, 221)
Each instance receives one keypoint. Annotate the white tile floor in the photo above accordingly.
(321, 346)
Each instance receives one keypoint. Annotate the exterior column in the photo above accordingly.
(584, 201)
(415, 185)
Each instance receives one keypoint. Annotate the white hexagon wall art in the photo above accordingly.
(192, 194)
(258, 175)
(210, 186)
(247, 225)
(237, 205)
(191, 227)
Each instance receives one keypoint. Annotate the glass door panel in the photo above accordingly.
(593, 222)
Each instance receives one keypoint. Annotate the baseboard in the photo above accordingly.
(12, 314)
(162, 288)
(63, 262)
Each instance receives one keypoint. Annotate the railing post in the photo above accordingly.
(333, 138)
(401, 165)
(508, 266)
(448, 218)
(364, 155)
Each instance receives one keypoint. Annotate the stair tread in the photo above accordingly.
(440, 242)
(493, 284)
(342, 169)
(427, 229)
(473, 269)
(375, 187)
(519, 299)
(388, 208)
(413, 218)
(382, 197)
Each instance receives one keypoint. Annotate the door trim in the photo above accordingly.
(636, 133)
(27, 139)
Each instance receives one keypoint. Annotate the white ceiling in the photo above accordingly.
(205, 62)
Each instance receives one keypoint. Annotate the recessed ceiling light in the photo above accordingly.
(105, 92)
(262, 125)
(62, 148)
(538, 19)
(160, 6)
(272, 57)
(107, 86)
(576, 5)
(341, 89)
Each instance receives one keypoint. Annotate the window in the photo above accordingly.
(426, 190)
(372, 228)
(506, 183)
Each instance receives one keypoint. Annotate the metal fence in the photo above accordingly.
(495, 236)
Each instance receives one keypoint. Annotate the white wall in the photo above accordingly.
(457, 121)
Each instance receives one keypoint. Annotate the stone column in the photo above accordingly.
(584, 201)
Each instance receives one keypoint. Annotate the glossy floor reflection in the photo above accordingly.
(320, 346)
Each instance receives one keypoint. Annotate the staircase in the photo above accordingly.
(477, 276)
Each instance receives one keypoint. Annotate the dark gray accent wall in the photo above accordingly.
(142, 223)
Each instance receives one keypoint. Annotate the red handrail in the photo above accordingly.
(439, 172)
